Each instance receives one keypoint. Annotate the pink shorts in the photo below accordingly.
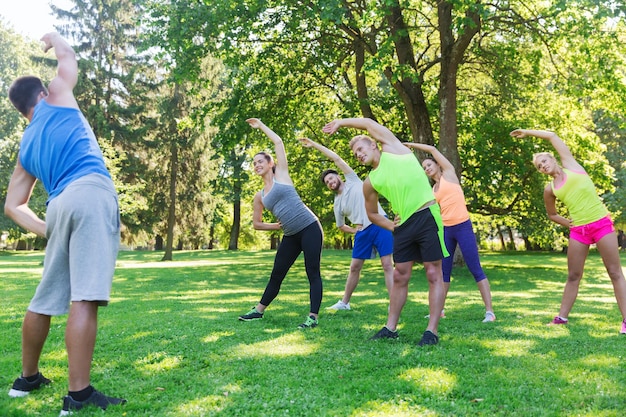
(591, 233)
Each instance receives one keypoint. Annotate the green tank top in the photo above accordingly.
(579, 196)
(402, 180)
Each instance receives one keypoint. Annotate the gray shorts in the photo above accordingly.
(83, 231)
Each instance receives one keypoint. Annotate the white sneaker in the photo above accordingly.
(442, 315)
(339, 305)
(489, 317)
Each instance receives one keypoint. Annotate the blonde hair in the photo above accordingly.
(538, 155)
(360, 138)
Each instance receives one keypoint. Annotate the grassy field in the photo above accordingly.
(170, 342)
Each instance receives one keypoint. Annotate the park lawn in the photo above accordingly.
(170, 342)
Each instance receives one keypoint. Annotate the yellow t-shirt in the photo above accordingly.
(579, 196)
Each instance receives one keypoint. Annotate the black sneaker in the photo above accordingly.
(385, 333)
(21, 387)
(96, 398)
(251, 315)
(428, 338)
(309, 323)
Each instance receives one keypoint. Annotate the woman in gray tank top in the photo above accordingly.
(301, 228)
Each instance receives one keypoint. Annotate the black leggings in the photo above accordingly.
(309, 241)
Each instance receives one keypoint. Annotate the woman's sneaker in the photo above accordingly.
(623, 331)
(558, 320)
(22, 387)
(309, 323)
(339, 305)
(96, 398)
(251, 315)
(489, 317)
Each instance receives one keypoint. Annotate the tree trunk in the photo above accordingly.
(171, 213)
(235, 230)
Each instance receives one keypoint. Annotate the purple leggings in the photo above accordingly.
(463, 234)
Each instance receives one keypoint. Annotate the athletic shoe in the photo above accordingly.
(558, 320)
(442, 315)
(385, 333)
(251, 315)
(21, 387)
(428, 338)
(309, 323)
(96, 398)
(489, 317)
(339, 305)
(623, 331)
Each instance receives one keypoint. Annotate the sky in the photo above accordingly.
(31, 18)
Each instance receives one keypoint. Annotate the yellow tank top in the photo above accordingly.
(452, 202)
(402, 180)
(579, 196)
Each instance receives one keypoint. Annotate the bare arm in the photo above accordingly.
(447, 169)
(349, 229)
(341, 164)
(62, 85)
(16, 203)
(390, 143)
(371, 207)
(549, 200)
(282, 170)
(567, 159)
(257, 216)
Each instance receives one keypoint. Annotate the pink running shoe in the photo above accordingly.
(623, 331)
(558, 320)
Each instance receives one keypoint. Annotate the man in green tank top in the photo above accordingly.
(418, 230)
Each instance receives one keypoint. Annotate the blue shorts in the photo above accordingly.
(370, 240)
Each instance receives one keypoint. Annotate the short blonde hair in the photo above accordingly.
(538, 155)
(360, 138)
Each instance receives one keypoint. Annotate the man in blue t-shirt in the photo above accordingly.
(82, 225)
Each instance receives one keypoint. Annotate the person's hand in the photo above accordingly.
(47, 40)
(331, 127)
(306, 142)
(396, 220)
(254, 122)
(518, 133)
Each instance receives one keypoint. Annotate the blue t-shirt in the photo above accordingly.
(59, 146)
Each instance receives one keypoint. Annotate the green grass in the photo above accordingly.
(170, 342)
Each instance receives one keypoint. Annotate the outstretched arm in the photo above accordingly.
(282, 171)
(341, 164)
(567, 159)
(390, 143)
(62, 85)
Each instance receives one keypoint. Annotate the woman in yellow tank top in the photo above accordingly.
(590, 222)
(457, 226)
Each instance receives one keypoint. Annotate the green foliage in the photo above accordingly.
(170, 342)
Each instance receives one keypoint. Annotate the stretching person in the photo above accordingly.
(418, 234)
(590, 221)
(301, 228)
(82, 225)
(349, 202)
(457, 226)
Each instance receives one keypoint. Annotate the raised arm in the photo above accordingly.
(567, 159)
(442, 161)
(62, 85)
(341, 164)
(282, 170)
(390, 143)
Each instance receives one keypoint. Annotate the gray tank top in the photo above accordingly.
(285, 203)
